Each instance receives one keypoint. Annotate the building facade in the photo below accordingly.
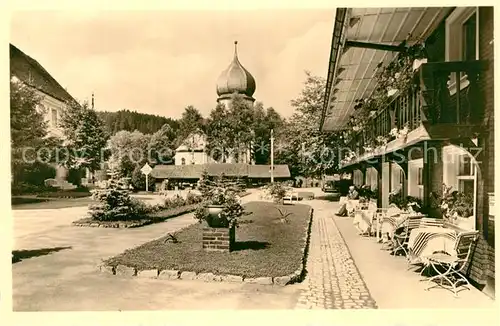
(438, 131)
(54, 97)
(193, 150)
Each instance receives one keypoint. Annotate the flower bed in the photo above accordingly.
(270, 247)
(156, 217)
(116, 208)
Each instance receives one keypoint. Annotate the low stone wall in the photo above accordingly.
(295, 277)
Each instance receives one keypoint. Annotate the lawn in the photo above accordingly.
(46, 203)
(265, 246)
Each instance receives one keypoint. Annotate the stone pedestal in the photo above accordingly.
(218, 239)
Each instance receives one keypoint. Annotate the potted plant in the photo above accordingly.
(413, 204)
(220, 206)
(457, 207)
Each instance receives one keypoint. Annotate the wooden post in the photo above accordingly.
(272, 156)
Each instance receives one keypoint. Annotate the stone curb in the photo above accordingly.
(295, 277)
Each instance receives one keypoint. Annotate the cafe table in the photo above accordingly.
(426, 241)
(393, 219)
(363, 218)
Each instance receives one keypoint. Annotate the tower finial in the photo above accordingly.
(92, 100)
(235, 49)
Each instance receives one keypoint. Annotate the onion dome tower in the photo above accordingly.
(235, 79)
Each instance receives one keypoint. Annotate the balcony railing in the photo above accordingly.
(442, 93)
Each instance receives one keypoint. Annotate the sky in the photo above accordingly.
(159, 62)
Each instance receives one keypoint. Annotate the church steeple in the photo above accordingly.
(235, 50)
(235, 79)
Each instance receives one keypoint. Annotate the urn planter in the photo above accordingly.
(214, 218)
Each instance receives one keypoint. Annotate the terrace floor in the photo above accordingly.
(344, 271)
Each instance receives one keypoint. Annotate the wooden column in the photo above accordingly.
(378, 167)
(433, 169)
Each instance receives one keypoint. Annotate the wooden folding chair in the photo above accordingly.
(400, 240)
(450, 267)
(431, 222)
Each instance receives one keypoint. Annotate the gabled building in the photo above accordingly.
(27, 70)
(54, 97)
(435, 131)
(193, 150)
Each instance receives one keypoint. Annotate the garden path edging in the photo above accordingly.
(295, 277)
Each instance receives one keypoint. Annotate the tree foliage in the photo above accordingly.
(139, 180)
(29, 136)
(233, 129)
(264, 122)
(191, 121)
(219, 133)
(160, 147)
(307, 150)
(128, 150)
(28, 128)
(131, 121)
(85, 137)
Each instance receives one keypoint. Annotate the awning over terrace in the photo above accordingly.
(362, 38)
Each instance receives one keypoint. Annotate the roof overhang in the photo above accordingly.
(362, 38)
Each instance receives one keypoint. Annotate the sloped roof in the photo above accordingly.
(264, 171)
(228, 169)
(189, 171)
(194, 171)
(351, 69)
(30, 72)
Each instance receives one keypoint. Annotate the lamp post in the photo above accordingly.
(272, 156)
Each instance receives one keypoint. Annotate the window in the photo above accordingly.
(466, 186)
(469, 38)
(54, 117)
(420, 176)
(462, 40)
(183, 161)
(465, 166)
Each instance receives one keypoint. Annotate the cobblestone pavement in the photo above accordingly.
(333, 280)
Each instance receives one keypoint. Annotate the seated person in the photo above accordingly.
(352, 195)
